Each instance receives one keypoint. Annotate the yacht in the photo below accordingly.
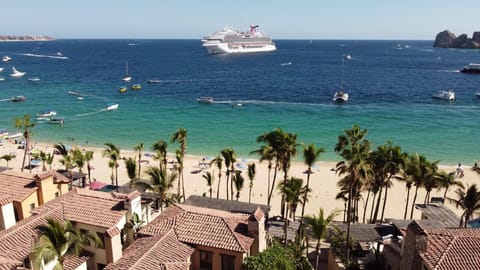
(340, 96)
(205, 99)
(445, 95)
(111, 107)
(126, 78)
(228, 41)
(6, 58)
(16, 73)
(471, 68)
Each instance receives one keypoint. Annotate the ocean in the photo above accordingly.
(390, 84)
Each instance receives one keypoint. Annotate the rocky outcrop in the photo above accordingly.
(447, 39)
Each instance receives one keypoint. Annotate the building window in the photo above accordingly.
(102, 238)
(228, 262)
(32, 206)
(205, 260)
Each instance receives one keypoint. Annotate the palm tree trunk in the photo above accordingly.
(349, 220)
(377, 206)
(250, 194)
(317, 259)
(268, 183)
(305, 194)
(183, 185)
(27, 145)
(218, 187)
(413, 203)
(373, 206)
(285, 226)
(406, 204)
(445, 194)
(384, 203)
(270, 192)
(365, 207)
(227, 176)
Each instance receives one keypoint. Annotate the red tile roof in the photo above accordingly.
(156, 252)
(4, 199)
(17, 185)
(204, 226)
(89, 207)
(453, 249)
(8, 264)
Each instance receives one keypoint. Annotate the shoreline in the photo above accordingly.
(323, 181)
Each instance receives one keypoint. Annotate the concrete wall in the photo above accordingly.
(7, 216)
(24, 210)
(47, 189)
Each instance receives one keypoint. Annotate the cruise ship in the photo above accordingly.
(233, 41)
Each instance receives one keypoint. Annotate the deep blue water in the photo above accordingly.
(390, 85)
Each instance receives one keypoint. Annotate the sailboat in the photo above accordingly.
(127, 78)
(341, 96)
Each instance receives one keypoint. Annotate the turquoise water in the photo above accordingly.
(390, 85)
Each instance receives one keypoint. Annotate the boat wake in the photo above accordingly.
(5, 99)
(45, 56)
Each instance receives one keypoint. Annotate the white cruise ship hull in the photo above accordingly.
(229, 48)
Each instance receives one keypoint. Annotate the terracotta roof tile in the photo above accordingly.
(88, 206)
(57, 177)
(18, 185)
(16, 242)
(4, 199)
(156, 252)
(453, 249)
(8, 264)
(73, 262)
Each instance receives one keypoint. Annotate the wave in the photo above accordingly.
(45, 56)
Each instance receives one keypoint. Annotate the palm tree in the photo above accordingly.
(354, 149)
(266, 153)
(180, 136)
(160, 182)
(61, 149)
(406, 175)
(228, 155)
(421, 170)
(59, 239)
(291, 190)
(43, 157)
(131, 166)
(160, 149)
(135, 223)
(319, 227)
(209, 178)
(342, 195)
(88, 158)
(251, 176)
(24, 123)
(113, 153)
(310, 155)
(78, 159)
(49, 159)
(179, 158)
(7, 158)
(447, 180)
(238, 180)
(469, 202)
(219, 162)
(139, 149)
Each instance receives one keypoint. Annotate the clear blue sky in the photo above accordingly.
(282, 19)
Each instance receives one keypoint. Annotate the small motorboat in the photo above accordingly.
(58, 121)
(207, 100)
(6, 58)
(15, 73)
(136, 86)
(445, 95)
(340, 97)
(18, 98)
(2, 79)
(122, 89)
(471, 68)
(34, 79)
(111, 107)
(47, 113)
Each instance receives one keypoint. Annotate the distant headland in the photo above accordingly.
(25, 38)
(447, 39)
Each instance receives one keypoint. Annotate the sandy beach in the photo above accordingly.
(323, 181)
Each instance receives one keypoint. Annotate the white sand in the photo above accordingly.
(323, 181)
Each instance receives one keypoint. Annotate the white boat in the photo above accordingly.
(15, 135)
(111, 107)
(74, 93)
(205, 99)
(340, 96)
(47, 113)
(445, 95)
(6, 58)
(2, 79)
(15, 73)
(34, 79)
(1, 69)
(233, 41)
(126, 78)
(471, 68)
(59, 121)
(477, 94)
